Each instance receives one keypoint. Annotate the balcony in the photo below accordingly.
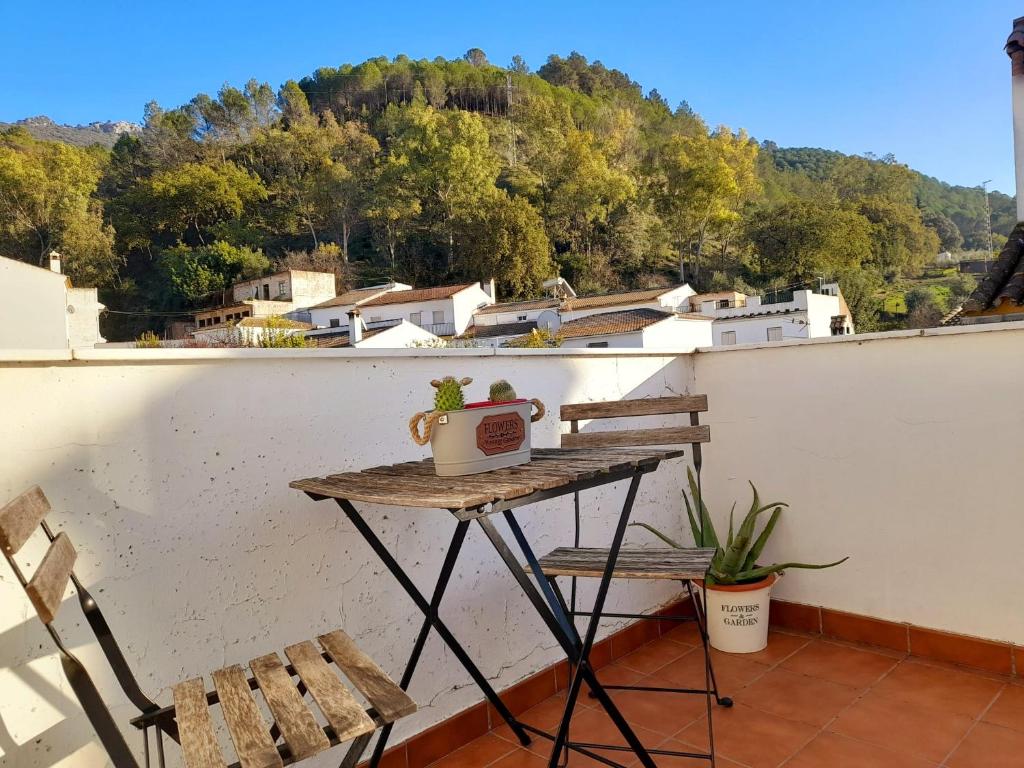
(439, 329)
(170, 470)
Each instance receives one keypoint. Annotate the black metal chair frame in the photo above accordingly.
(151, 715)
(710, 689)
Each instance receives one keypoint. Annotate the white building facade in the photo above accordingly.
(750, 320)
(41, 309)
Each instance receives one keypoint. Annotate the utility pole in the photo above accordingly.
(988, 221)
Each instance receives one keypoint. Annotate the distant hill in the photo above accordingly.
(965, 206)
(103, 133)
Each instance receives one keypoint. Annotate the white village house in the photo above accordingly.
(62, 316)
(804, 314)
(442, 311)
(289, 293)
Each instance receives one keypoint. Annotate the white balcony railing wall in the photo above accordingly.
(170, 470)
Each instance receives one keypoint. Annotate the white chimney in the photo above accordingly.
(1015, 50)
(355, 328)
(55, 262)
(487, 286)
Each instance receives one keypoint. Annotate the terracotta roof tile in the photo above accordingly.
(419, 294)
(606, 323)
(501, 329)
(516, 306)
(1005, 279)
(355, 296)
(617, 299)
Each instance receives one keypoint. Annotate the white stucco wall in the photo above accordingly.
(899, 450)
(405, 334)
(169, 469)
(808, 316)
(33, 312)
(83, 313)
(633, 340)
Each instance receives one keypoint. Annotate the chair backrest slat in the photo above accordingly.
(46, 588)
(652, 406)
(19, 518)
(627, 437)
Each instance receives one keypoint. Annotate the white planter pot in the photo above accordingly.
(738, 616)
(482, 438)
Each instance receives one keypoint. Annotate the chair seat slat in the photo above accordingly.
(199, 746)
(390, 701)
(650, 406)
(656, 436)
(301, 732)
(19, 518)
(46, 588)
(651, 563)
(249, 733)
(343, 712)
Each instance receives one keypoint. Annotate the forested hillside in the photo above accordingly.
(445, 170)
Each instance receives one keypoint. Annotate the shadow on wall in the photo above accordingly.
(171, 477)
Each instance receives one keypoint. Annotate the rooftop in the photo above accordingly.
(417, 294)
(169, 469)
(513, 306)
(618, 298)
(606, 323)
(1004, 283)
(500, 329)
(354, 296)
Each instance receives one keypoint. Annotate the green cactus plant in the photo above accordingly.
(449, 396)
(501, 392)
(736, 562)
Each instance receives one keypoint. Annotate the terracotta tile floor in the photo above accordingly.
(803, 702)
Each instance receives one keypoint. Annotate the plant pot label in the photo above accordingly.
(500, 433)
(740, 615)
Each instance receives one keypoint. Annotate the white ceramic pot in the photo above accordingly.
(481, 438)
(738, 616)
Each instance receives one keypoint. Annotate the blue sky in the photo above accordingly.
(927, 81)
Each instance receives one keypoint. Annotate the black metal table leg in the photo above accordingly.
(552, 614)
(431, 620)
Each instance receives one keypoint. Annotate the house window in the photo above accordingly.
(723, 303)
(775, 333)
(438, 316)
(335, 322)
(281, 288)
(416, 318)
(597, 344)
(521, 318)
(728, 338)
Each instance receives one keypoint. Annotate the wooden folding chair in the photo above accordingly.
(683, 565)
(296, 733)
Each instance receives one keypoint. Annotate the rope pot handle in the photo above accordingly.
(429, 420)
(540, 410)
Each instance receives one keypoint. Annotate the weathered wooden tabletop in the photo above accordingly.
(414, 483)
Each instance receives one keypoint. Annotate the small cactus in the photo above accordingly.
(501, 392)
(449, 395)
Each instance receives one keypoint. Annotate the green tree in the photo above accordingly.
(185, 202)
(703, 181)
(506, 240)
(900, 243)
(47, 202)
(949, 235)
(193, 273)
(801, 240)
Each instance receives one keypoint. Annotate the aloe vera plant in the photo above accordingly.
(735, 562)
